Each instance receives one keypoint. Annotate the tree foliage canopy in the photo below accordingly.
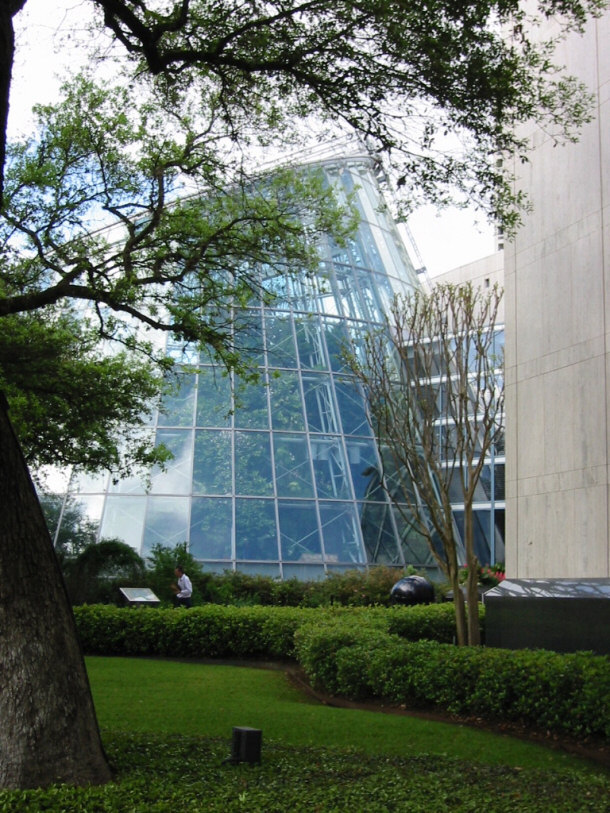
(167, 152)
(189, 239)
(403, 75)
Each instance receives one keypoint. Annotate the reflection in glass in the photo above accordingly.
(286, 402)
(339, 530)
(337, 342)
(414, 547)
(176, 478)
(211, 524)
(255, 529)
(330, 470)
(177, 406)
(365, 469)
(213, 399)
(123, 518)
(281, 351)
(304, 572)
(292, 466)
(249, 333)
(212, 463)
(299, 536)
(350, 402)
(378, 533)
(309, 342)
(251, 404)
(319, 404)
(482, 541)
(86, 483)
(253, 463)
(166, 522)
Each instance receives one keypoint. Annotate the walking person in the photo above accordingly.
(183, 589)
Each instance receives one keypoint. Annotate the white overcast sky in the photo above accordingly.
(44, 55)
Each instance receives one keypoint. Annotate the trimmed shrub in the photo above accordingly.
(434, 622)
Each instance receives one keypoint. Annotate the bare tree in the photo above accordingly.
(436, 401)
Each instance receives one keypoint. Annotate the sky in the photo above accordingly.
(45, 51)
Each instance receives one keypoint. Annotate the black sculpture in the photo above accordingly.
(412, 590)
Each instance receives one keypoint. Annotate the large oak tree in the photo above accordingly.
(213, 80)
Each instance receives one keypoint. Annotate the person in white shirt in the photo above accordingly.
(183, 590)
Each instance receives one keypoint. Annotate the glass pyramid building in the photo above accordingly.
(285, 481)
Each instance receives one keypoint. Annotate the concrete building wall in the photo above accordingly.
(557, 357)
(483, 273)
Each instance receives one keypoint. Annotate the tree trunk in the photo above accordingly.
(48, 730)
(452, 572)
(472, 581)
(8, 9)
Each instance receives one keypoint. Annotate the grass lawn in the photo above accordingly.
(169, 697)
(167, 731)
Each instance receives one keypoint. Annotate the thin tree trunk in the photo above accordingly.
(472, 581)
(48, 729)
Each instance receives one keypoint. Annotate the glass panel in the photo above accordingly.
(255, 532)
(337, 340)
(351, 407)
(124, 519)
(166, 522)
(378, 534)
(281, 351)
(183, 354)
(211, 524)
(341, 531)
(498, 481)
(213, 399)
(212, 464)
(249, 335)
(299, 535)
(253, 463)
(373, 260)
(303, 572)
(481, 527)
(292, 467)
(251, 405)
(176, 479)
(347, 293)
(365, 469)
(286, 402)
(52, 506)
(80, 519)
(329, 467)
(415, 548)
(273, 571)
(85, 483)
(177, 406)
(319, 404)
(309, 342)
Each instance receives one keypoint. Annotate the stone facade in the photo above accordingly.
(557, 355)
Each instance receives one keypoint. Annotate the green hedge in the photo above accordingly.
(211, 631)
(216, 631)
(373, 652)
(567, 693)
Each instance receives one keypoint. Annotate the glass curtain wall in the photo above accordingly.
(281, 477)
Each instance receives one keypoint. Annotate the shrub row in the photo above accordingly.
(352, 588)
(215, 631)
(211, 631)
(568, 693)
(373, 652)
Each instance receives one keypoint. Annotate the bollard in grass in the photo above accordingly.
(247, 743)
